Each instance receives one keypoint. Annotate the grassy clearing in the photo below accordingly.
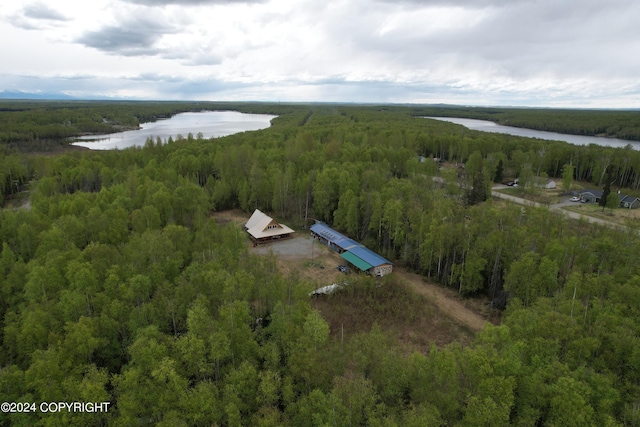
(628, 217)
(411, 319)
(415, 321)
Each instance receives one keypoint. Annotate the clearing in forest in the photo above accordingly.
(414, 311)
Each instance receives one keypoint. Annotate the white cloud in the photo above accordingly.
(533, 52)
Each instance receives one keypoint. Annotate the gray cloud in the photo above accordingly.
(189, 2)
(25, 24)
(541, 39)
(37, 16)
(139, 37)
(42, 11)
(136, 36)
(472, 4)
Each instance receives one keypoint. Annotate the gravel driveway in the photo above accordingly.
(299, 247)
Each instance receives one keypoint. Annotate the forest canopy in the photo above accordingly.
(118, 284)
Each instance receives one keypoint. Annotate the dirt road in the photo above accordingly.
(555, 207)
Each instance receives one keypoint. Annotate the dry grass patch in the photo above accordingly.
(619, 216)
(409, 318)
(235, 216)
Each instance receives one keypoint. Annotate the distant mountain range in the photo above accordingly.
(18, 94)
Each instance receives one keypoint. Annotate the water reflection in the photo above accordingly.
(487, 126)
(211, 124)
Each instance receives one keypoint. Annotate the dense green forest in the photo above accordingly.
(118, 285)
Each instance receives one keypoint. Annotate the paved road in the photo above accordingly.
(557, 207)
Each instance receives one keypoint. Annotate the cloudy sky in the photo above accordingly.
(569, 53)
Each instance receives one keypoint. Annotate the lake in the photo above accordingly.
(212, 124)
(487, 126)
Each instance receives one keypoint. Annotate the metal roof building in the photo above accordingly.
(336, 241)
(351, 251)
(367, 260)
(370, 257)
(358, 262)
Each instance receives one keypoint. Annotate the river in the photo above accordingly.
(487, 126)
(212, 124)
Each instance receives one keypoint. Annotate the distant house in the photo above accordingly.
(594, 196)
(541, 182)
(629, 202)
(262, 228)
(591, 196)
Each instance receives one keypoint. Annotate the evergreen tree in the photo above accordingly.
(499, 171)
(478, 192)
(475, 170)
(606, 190)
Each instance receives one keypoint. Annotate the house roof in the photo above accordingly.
(356, 253)
(333, 236)
(628, 199)
(258, 225)
(256, 218)
(596, 193)
(368, 256)
(361, 264)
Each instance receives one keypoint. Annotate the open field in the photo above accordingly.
(412, 319)
(414, 312)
